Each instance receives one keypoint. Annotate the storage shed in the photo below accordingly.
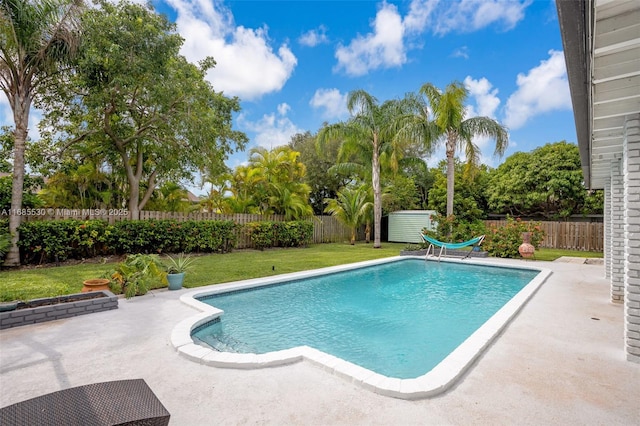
(405, 225)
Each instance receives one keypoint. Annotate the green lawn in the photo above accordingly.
(215, 268)
(553, 254)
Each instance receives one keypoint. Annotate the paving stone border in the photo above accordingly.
(53, 308)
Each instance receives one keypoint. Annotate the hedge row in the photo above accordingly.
(280, 234)
(58, 240)
(47, 241)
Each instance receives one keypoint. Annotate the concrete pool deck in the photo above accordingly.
(554, 364)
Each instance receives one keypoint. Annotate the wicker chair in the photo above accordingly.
(122, 402)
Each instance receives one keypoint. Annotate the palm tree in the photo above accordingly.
(351, 207)
(36, 37)
(449, 125)
(370, 130)
(281, 188)
(290, 200)
(243, 184)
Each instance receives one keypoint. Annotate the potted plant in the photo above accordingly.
(138, 274)
(176, 270)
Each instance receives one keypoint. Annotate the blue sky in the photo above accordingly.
(292, 63)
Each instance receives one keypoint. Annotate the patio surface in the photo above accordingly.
(554, 364)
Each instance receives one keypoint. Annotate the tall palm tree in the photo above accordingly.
(351, 207)
(449, 125)
(371, 130)
(36, 38)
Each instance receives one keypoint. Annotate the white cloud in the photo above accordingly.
(331, 101)
(271, 130)
(382, 48)
(461, 52)
(418, 17)
(472, 15)
(314, 37)
(544, 88)
(283, 108)
(485, 97)
(247, 64)
(392, 35)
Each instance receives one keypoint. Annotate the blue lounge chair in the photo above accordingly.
(433, 243)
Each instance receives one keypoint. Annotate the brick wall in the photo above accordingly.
(617, 232)
(631, 149)
(65, 309)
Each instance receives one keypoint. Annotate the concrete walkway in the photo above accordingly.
(560, 362)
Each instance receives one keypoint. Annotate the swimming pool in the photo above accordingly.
(399, 319)
(389, 325)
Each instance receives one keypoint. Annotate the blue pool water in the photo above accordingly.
(398, 319)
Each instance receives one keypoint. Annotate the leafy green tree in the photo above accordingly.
(170, 197)
(400, 193)
(469, 202)
(37, 38)
(30, 199)
(423, 179)
(323, 184)
(370, 134)
(139, 103)
(593, 202)
(546, 182)
(243, 183)
(79, 185)
(6, 149)
(449, 125)
(351, 207)
(215, 200)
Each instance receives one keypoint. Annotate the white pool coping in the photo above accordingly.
(435, 382)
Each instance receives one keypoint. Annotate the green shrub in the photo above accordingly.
(262, 234)
(48, 241)
(137, 236)
(57, 240)
(5, 243)
(280, 234)
(171, 236)
(209, 236)
(90, 239)
(293, 234)
(504, 241)
(138, 274)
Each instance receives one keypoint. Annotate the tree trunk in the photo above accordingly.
(133, 178)
(451, 152)
(377, 197)
(21, 118)
(353, 236)
(134, 197)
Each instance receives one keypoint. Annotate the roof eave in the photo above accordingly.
(573, 19)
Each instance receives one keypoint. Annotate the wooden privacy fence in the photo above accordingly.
(582, 236)
(327, 229)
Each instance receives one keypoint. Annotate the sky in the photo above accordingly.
(292, 63)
